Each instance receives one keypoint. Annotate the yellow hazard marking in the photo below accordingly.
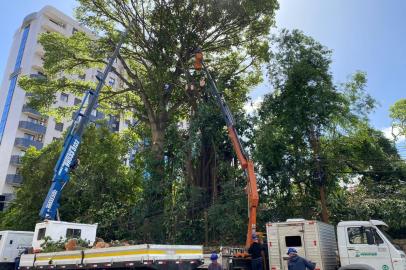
(188, 251)
(118, 253)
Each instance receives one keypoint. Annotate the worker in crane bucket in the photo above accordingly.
(214, 264)
(298, 263)
(255, 251)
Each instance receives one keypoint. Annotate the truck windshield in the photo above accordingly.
(382, 228)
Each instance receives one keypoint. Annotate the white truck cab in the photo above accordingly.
(12, 243)
(364, 244)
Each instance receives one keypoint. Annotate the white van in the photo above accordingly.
(360, 245)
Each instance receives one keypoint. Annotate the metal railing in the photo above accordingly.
(29, 110)
(25, 143)
(15, 160)
(38, 76)
(14, 179)
(33, 127)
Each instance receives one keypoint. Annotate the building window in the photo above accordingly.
(29, 136)
(77, 101)
(82, 76)
(41, 234)
(60, 24)
(59, 126)
(74, 30)
(54, 139)
(293, 241)
(73, 233)
(112, 81)
(64, 97)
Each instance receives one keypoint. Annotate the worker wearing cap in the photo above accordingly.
(214, 264)
(255, 251)
(298, 263)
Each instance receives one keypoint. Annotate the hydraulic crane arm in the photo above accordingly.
(68, 157)
(246, 163)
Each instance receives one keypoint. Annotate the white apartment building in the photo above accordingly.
(20, 125)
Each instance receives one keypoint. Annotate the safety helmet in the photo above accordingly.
(291, 250)
(214, 256)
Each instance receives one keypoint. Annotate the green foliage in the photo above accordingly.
(101, 190)
(366, 154)
(161, 44)
(37, 173)
(362, 205)
(55, 246)
(307, 112)
(159, 50)
(185, 185)
(398, 114)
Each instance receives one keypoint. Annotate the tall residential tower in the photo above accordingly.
(20, 125)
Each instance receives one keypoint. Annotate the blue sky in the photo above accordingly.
(367, 35)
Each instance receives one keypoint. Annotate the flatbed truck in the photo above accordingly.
(146, 256)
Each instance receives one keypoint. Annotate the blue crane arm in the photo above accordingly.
(67, 158)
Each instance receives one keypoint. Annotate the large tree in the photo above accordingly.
(304, 102)
(313, 135)
(155, 60)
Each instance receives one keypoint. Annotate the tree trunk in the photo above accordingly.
(156, 187)
(315, 145)
(158, 139)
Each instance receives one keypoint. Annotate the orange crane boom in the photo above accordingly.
(246, 163)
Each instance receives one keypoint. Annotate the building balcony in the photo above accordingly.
(24, 143)
(15, 160)
(52, 26)
(38, 76)
(32, 127)
(30, 111)
(14, 180)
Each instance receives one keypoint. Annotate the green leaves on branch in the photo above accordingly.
(398, 114)
(310, 130)
(102, 189)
